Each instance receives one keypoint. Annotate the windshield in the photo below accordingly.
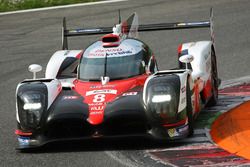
(116, 67)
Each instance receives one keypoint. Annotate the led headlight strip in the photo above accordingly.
(161, 98)
(32, 106)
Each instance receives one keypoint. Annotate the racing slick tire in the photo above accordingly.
(189, 111)
(214, 81)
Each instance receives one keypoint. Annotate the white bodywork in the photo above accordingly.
(201, 70)
(183, 75)
(182, 98)
(54, 88)
(201, 64)
(56, 61)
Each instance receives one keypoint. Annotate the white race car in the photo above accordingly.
(114, 88)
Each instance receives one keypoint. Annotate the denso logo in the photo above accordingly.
(108, 50)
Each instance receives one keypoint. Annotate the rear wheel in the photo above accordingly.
(189, 110)
(214, 81)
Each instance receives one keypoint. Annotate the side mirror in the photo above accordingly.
(34, 68)
(186, 59)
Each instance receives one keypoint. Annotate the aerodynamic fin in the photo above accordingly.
(128, 28)
(212, 24)
(64, 37)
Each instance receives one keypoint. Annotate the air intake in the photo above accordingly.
(110, 40)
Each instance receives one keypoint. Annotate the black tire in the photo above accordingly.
(215, 81)
(189, 110)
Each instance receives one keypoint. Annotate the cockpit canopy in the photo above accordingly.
(131, 58)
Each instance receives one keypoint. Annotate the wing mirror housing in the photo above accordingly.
(186, 59)
(34, 68)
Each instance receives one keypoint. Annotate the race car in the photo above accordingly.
(114, 88)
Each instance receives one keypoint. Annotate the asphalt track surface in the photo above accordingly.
(33, 37)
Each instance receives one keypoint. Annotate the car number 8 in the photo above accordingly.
(99, 98)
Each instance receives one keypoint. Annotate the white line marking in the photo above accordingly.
(61, 7)
(235, 82)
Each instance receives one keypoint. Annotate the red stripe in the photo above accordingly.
(207, 91)
(211, 155)
(182, 122)
(179, 49)
(21, 133)
(79, 55)
(240, 90)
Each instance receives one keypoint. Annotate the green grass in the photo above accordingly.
(205, 119)
(12, 5)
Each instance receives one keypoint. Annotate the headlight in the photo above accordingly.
(162, 101)
(161, 98)
(30, 107)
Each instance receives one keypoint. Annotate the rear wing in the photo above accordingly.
(140, 28)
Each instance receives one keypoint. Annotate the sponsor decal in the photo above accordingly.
(183, 100)
(183, 89)
(70, 97)
(126, 52)
(101, 86)
(172, 132)
(181, 24)
(96, 55)
(23, 141)
(110, 52)
(192, 24)
(177, 131)
(129, 94)
(102, 91)
(96, 104)
(96, 108)
(87, 30)
(96, 113)
(182, 129)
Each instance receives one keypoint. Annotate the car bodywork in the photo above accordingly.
(114, 88)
